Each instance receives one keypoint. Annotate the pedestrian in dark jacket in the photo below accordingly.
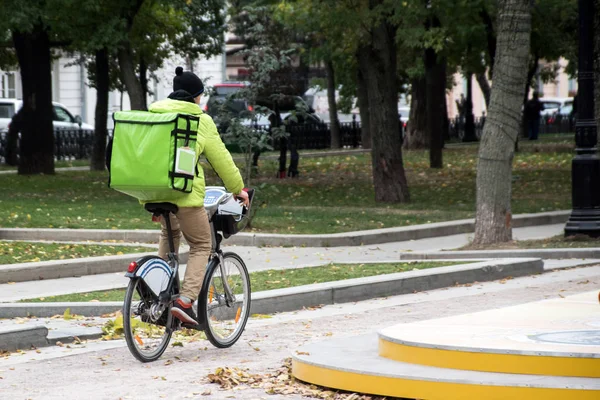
(533, 109)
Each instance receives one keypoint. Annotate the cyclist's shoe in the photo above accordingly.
(184, 312)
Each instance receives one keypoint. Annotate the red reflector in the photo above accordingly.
(132, 267)
(250, 108)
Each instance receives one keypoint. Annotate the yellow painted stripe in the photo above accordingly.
(421, 389)
(491, 362)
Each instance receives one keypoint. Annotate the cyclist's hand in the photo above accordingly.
(244, 197)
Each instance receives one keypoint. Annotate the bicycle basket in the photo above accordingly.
(225, 224)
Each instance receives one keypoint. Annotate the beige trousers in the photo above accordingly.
(193, 223)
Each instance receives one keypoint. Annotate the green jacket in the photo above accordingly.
(208, 143)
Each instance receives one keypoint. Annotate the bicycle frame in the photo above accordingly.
(167, 296)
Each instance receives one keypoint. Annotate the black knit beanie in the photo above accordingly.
(187, 81)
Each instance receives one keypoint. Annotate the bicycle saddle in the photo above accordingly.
(161, 208)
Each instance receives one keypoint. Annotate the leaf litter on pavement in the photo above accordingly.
(280, 381)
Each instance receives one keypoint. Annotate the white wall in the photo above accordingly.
(68, 86)
(80, 99)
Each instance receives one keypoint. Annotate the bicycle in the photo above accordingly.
(223, 306)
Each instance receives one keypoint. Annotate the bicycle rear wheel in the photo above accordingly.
(146, 340)
(225, 320)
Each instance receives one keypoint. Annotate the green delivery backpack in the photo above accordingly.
(153, 155)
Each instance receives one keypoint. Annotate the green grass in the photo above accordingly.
(332, 194)
(276, 279)
(20, 252)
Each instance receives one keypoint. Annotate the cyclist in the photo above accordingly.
(191, 219)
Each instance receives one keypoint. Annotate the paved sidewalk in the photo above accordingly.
(106, 370)
(264, 258)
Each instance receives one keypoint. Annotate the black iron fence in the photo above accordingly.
(69, 144)
(549, 124)
(77, 144)
(73, 144)
(456, 128)
(318, 136)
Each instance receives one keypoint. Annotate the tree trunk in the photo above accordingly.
(469, 117)
(144, 81)
(101, 116)
(336, 140)
(389, 178)
(490, 34)
(597, 60)
(416, 136)
(484, 85)
(37, 136)
(435, 91)
(130, 79)
(494, 174)
(363, 97)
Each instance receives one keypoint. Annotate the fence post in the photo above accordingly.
(58, 138)
(355, 132)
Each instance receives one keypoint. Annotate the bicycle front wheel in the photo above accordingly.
(146, 338)
(226, 316)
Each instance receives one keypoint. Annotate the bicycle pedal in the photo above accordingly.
(191, 326)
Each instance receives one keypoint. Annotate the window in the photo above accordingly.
(62, 115)
(8, 86)
(7, 110)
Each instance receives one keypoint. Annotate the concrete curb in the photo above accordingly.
(12, 339)
(554, 254)
(63, 337)
(357, 238)
(349, 290)
(71, 268)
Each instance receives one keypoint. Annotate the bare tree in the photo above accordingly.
(493, 221)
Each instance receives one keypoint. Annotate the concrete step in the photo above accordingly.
(353, 364)
(34, 332)
(33, 271)
(555, 337)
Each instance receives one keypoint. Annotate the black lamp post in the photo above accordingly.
(585, 170)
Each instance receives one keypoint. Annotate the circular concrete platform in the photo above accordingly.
(352, 364)
(552, 337)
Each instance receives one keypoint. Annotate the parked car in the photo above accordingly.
(553, 104)
(221, 96)
(562, 117)
(62, 118)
